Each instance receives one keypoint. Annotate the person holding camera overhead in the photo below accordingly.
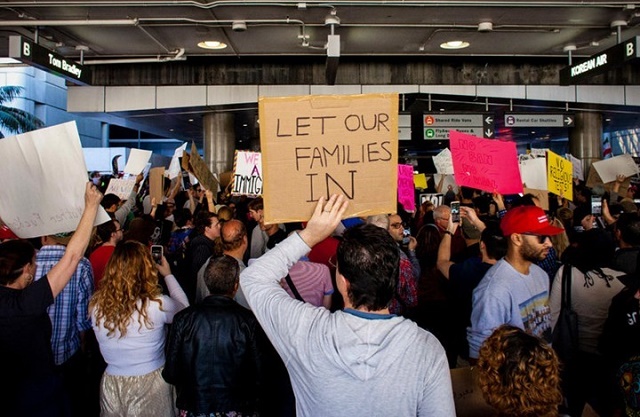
(128, 313)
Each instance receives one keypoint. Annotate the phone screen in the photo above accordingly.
(156, 253)
(596, 206)
(406, 236)
(455, 211)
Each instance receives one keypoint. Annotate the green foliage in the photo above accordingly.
(12, 119)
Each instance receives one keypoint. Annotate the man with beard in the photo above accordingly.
(515, 290)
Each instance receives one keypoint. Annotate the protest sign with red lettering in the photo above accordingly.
(486, 164)
(247, 174)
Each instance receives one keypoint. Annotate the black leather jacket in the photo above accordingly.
(213, 357)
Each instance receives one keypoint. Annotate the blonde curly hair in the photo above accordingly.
(519, 374)
(130, 282)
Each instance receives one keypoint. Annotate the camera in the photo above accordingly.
(156, 253)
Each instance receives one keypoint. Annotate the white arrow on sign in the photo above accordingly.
(568, 120)
(488, 120)
(488, 133)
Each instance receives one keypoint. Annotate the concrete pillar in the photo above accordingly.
(585, 139)
(104, 135)
(219, 141)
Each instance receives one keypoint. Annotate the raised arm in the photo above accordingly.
(61, 272)
(444, 250)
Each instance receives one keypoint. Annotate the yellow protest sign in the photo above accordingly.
(560, 175)
(420, 180)
(315, 146)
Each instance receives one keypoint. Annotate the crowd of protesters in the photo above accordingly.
(237, 317)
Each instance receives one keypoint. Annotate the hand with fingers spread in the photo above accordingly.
(325, 219)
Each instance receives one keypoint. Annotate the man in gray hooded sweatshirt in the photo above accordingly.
(361, 361)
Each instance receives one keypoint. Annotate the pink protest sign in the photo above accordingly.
(485, 164)
(406, 195)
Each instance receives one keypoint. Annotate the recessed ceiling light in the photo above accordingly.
(454, 45)
(191, 120)
(212, 45)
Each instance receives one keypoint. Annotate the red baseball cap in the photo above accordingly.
(528, 219)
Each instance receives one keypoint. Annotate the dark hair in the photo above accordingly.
(182, 216)
(109, 200)
(14, 256)
(369, 260)
(467, 193)
(494, 241)
(629, 226)
(203, 220)
(525, 200)
(232, 234)
(105, 230)
(256, 204)
(594, 250)
(221, 275)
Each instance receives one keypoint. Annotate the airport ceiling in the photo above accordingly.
(123, 31)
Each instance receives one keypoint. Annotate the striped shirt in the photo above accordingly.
(69, 312)
(312, 280)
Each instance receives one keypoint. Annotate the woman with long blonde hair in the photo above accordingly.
(128, 313)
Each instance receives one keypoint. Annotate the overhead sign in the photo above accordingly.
(538, 120)
(602, 62)
(437, 126)
(40, 57)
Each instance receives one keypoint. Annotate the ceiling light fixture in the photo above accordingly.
(212, 45)
(454, 45)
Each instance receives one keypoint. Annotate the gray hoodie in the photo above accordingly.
(347, 363)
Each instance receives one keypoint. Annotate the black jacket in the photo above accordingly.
(213, 357)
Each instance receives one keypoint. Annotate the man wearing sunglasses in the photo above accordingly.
(515, 290)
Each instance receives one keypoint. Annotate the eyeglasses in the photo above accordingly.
(396, 225)
(119, 230)
(541, 238)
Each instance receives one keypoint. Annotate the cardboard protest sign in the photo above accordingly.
(608, 169)
(533, 172)
(541, 195)
(44, 178)
(578, 172)
(137, 160)
(560, 176)
(406, 189)
(201, 171)
(315, 146)
(467, 394)
(247, 174)
(121, 187)
(443, 162)
(489, 165)
(184, 163)
(156, 184)
(420, 180)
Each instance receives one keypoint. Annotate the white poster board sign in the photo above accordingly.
(121, 187)
(44, 178)
(609, 168)
(578, 171)
(247, 175)
(175, 169)
(443, 162)
(534, 173)
(138, 159)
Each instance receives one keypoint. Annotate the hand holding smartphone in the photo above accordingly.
(455, 212)
(596, 205)
(157, 253)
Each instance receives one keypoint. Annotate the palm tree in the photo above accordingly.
(12, 119)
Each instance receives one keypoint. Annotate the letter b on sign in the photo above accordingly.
(629, 49)
(26, 49)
